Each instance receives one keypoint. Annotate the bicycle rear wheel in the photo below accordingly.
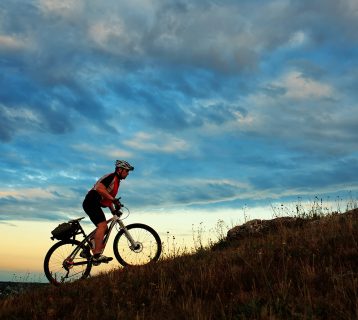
(148, 245)
(60, 268)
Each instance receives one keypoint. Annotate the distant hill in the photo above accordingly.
(303, 271)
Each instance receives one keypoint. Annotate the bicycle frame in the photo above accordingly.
(87, 238)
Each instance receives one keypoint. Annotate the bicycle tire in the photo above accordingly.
(149, 245)
(54, 263)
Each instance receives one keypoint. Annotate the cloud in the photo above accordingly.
(17, 120)
(186, 192)
(220, 101)
(50, 203)
(296, 86)
(109, 151)
(302, 112)
(35, 193)
(11, 43)
(157, 143)
(130, 45)
(63, 8)
(332, 176)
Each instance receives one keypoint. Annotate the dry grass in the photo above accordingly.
(308, 272)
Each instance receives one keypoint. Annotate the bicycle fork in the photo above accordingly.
(134, 244)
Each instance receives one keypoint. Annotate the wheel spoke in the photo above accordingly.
(58, 270)
(147, 245)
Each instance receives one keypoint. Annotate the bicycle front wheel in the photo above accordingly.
(61, 266)
(147, 245)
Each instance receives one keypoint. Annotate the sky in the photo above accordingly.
(223, 108)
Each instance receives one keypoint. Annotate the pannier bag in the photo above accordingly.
(64, 231)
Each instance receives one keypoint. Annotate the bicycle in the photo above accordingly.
(70, 259)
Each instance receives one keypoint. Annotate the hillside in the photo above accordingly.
(8, 288)
(308, 271)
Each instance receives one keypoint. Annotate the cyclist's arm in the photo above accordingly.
(102, 190)
(112, 208)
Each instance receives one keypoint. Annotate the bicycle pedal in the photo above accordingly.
(98, 262)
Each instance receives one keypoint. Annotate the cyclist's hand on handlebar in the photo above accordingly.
(117, 203)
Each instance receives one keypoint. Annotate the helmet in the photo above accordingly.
(124, 165)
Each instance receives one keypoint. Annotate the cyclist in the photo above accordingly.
(100, 196)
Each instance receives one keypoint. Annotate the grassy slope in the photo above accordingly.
(303, 273)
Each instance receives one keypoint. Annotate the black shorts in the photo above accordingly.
(92, 206)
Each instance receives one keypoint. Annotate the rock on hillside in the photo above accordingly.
(259, 227)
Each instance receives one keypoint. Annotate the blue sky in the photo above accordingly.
(217, 104)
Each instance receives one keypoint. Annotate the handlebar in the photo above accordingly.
(117, 204)
(116, 207)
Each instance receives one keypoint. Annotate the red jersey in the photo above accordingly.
(111, 182)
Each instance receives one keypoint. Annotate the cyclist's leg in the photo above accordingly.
(92, 206)
(99, 236)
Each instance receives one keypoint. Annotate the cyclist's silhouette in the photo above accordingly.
(103, 194)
